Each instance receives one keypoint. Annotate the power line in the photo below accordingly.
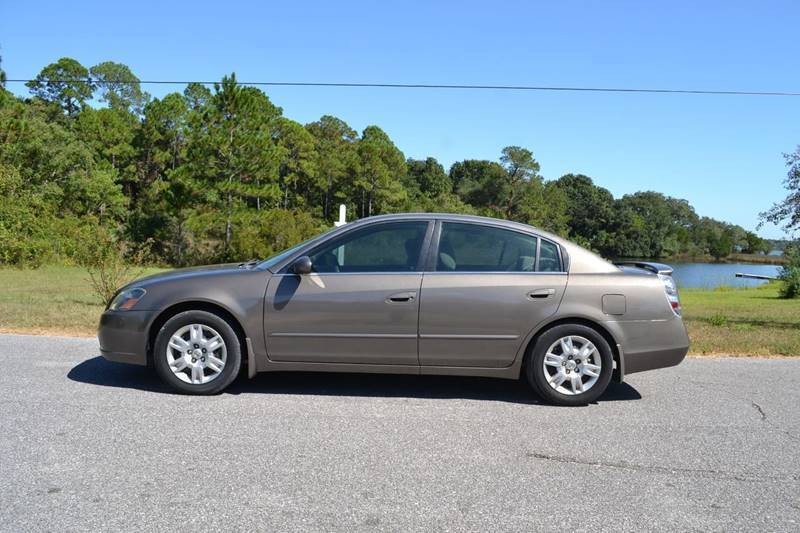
(446, 87)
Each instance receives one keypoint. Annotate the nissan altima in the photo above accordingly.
(411, 294)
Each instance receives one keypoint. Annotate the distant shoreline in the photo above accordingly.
(755, 259)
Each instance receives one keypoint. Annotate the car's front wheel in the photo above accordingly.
(197, 352)
(571, 364)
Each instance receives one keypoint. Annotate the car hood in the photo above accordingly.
(179, 274)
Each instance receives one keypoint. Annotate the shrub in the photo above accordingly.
(110, 264)
(790, 275)
(718, 319)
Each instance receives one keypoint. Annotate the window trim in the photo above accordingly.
(431, 263)
(420, 267)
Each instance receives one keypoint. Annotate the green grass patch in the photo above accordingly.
(718, 320)
(50, 299)
(747, 321)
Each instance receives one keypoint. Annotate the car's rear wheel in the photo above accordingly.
(570, 364)
(197, 352)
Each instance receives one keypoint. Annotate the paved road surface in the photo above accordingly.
(713, 444)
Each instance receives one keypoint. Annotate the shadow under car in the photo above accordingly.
(98, 371)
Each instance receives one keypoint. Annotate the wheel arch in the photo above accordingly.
(195, 305)
(619, 364)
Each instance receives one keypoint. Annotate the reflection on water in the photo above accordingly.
(711, 275)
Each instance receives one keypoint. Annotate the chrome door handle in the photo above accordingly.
(539, 294)
(401, 297)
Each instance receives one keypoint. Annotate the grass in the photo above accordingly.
(58, 300)
(742, 321)
(55, 300)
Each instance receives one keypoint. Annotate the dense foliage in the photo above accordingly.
(214, 174)
(787, 212)
(790, 275)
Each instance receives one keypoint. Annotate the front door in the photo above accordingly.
(490, 287)
(359, 305)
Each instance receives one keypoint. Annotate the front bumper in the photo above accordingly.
(123, 335)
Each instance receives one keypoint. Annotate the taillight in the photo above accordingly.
(671, 290)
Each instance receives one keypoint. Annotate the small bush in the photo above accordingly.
(790, 275)
(718, 319)
(110, 265)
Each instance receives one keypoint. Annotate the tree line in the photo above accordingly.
(89, 161)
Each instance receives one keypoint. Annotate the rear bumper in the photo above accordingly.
(123, 336)
(651, 344)
(641, 361)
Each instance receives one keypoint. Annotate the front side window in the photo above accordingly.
(391, 247)
(474, 248)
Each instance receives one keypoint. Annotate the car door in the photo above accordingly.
(360, 304)
(489, 287)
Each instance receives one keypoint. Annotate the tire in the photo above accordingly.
(198, 364)
(562, 364)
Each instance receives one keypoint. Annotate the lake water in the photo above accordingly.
(711, 275)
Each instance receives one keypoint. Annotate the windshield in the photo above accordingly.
(275, 259)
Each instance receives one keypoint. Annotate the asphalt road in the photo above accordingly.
(713, 444)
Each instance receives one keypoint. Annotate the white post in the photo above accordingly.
(342, 216)
(341, 222)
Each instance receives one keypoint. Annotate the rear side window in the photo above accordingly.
(474, 248)
(549, 258)
(393, 247)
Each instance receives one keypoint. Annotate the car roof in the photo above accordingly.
(453, 217)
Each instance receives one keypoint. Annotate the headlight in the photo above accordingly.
(125, 300)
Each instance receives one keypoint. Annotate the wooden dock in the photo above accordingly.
(755, 276)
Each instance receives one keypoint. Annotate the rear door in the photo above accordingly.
(489, 287)
(359, 305)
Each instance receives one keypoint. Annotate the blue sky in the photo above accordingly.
(722, 153)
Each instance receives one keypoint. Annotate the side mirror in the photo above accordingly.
(302, 265)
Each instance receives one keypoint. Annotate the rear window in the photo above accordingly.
(474, 248)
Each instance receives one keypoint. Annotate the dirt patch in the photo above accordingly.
(51, 332)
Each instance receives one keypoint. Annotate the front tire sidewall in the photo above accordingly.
(536, 375)
(232, 344)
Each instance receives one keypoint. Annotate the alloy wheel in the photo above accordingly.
(196, 354)
(572, 365)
